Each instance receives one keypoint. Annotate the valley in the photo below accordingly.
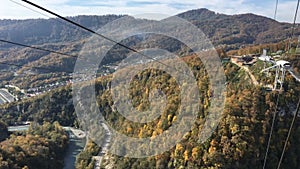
(38, 88)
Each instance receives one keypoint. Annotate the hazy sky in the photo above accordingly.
(286, 8)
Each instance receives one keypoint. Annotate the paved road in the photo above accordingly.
(18, 128)
(6, 95)
(2, 100)
(104, 147)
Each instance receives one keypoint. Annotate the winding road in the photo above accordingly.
(104, 147)
(255, 82)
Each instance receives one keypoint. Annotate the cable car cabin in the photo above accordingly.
(284, 64)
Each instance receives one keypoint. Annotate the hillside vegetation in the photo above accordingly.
(240, 139)
(237, 30)
(238, 142)
(40, 147)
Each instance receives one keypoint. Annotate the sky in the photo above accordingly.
(13, 9)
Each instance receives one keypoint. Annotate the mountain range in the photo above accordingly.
(239, 29)
(238, 139)
(232, 31)
(220, 28)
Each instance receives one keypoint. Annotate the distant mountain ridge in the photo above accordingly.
(231, 30)
(241, 29)
(54, 30)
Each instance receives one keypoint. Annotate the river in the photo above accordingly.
(76, 145)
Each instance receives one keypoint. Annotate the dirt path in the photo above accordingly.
(254, 81)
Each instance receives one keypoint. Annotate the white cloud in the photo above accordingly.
(285, 13)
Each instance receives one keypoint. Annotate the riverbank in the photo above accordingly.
(76, 132)
(77, 142)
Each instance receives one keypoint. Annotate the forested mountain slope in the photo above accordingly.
(238, 142)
